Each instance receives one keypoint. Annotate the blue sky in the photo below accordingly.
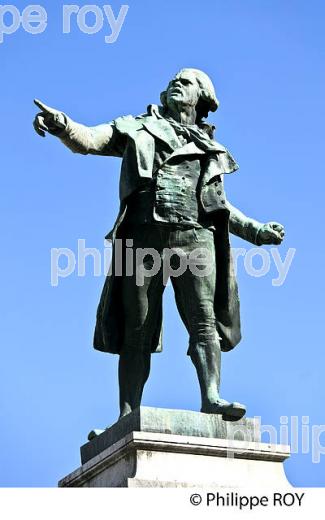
(266, 60)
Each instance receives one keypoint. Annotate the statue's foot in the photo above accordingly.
(94, 433)
(229, 411)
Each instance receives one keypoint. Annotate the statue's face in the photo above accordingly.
(183, 89)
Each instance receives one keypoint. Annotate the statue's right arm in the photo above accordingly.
(97, 140)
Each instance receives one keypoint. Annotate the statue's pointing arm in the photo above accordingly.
(97, 140)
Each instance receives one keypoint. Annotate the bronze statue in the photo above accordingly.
(172, 199)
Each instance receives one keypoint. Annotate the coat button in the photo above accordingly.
(219, 192)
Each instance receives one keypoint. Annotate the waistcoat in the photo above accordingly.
(171, 197)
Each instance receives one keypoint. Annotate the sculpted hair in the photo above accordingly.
(208, 101)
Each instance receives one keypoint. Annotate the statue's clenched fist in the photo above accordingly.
(48, 120)
(271, 233)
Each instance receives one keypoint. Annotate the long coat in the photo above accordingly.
(134, 140)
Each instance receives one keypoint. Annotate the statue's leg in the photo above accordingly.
(141, 305)
(195, 298)
(134, 368)
(206, 358)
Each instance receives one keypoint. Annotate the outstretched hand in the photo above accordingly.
(271, 233)
(48, 120)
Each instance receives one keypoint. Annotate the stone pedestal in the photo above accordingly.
(154, 447)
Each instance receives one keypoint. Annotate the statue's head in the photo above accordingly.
(191, 87)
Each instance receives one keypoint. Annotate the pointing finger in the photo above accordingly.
(43, 107)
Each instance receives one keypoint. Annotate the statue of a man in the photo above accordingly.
(172, 198)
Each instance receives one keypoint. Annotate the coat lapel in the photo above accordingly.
(164, 131)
